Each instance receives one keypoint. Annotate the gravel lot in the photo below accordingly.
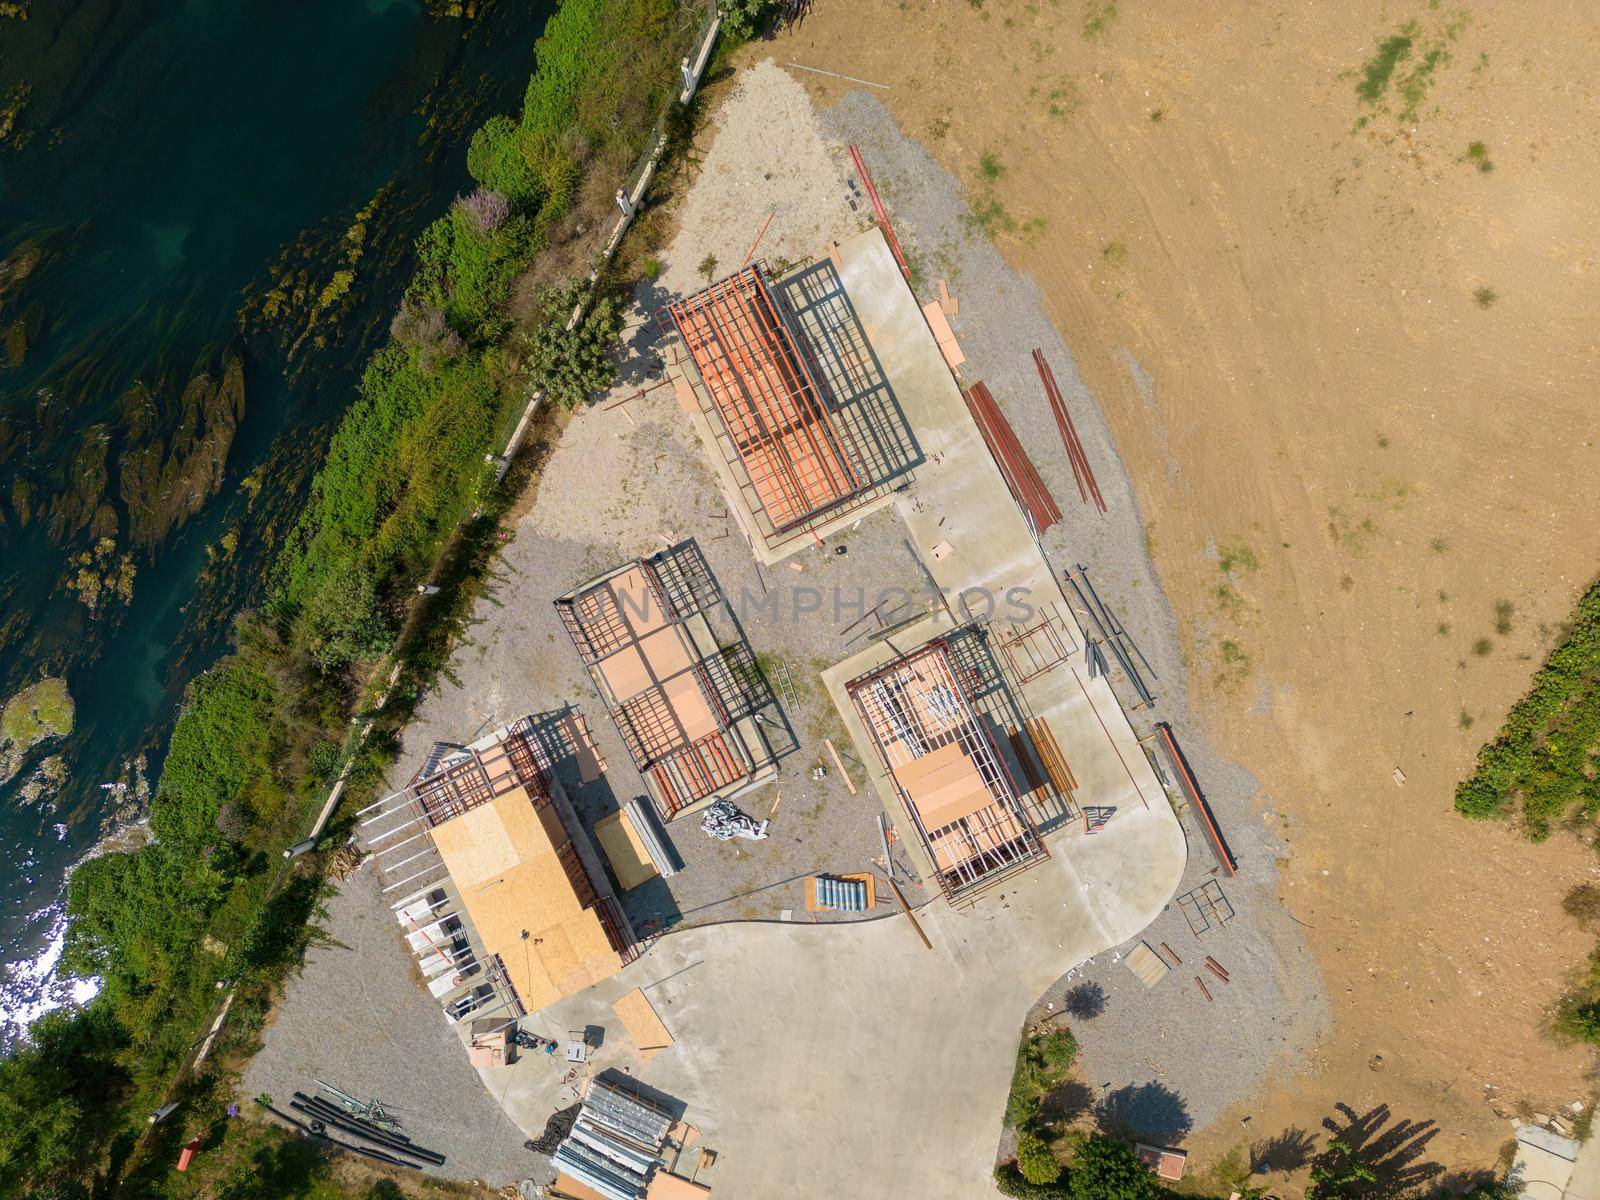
(357, 1017)
(620, 486)
(1161, 1061)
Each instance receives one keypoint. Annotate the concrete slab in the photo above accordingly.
(994, 568)
(849, 1059)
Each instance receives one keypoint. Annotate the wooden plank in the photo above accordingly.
(1055, 764)
(838, 762)
(910, 916)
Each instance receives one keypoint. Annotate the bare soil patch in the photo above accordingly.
(1352, 375)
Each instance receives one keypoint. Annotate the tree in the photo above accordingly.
(572, 365)
(1336, 1172)
(744, 19)
(1106, 1168)
(1035, 1161)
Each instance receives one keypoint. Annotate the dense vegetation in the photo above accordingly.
(1099, 1167)
(405, 490)
(1544, 769)
(1542, 766)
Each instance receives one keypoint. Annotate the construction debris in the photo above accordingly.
(725, 822)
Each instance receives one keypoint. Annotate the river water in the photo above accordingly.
(206, 213)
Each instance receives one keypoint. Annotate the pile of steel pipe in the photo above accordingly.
(1027, 488)
(1087, 487)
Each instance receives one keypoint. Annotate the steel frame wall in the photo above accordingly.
(753, 367)
(683, 770)
(981, 848)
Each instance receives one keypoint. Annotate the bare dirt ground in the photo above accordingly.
(1352, 375)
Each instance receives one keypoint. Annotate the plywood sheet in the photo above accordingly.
(944, 785)
(666, 652)
(637, 601)
(566, 949)
(625, 673)
(639, 1018)
(624, 850)
(689, 704)
(1146, 965)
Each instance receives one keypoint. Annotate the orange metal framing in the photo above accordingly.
(796, 457)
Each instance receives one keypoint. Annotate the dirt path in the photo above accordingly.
(1352, 374)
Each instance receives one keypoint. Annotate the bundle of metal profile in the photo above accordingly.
(642, 817)
(598, 1171)
(626, 1114)
(1111, 639)
(626, 1153)
(391, 1143)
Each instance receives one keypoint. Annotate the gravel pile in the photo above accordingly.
(1163, 1060)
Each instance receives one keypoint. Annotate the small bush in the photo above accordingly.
(1009, 1181)
(1058, 1049)
(1582, 904)
(1035, 1161)
(1485, 296)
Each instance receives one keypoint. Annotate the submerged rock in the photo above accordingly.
(166, 476)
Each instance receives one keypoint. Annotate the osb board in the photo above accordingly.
(666, 1186)
(566, 949)
(860, 877)
(639, 1018)
(475, 845)
(1146, 965)
(567, 1186)
(624, 850)
(944, 785)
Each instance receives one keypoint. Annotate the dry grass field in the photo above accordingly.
(1330, 270)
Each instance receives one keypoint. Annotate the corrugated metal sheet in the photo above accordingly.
(626, 1113)
(594, 1170)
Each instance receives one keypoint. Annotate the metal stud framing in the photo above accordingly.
(745, 351)
(915, 705)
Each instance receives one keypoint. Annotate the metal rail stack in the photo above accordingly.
(1027, 488)
(1081, 471)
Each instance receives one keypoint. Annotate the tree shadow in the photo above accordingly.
(1086, 1001)
(1393, 1150)
(1066, 1102)
(1145, 1110)
(1286, 1151)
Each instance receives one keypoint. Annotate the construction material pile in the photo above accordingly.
(725, 822)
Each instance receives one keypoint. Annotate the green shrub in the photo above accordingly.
(1009, 1181)
(744, 19)
(571, 366)
(1106, 1168)
(1035, 1161)
(1545, 751)
(497, 158)
(1058, 1049)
